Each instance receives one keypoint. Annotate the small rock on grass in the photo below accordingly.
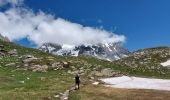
(22, 82)
(95, 83)
(56, 96)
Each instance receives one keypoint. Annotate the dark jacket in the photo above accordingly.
(77, 79)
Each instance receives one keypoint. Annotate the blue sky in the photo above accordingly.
(144, 23)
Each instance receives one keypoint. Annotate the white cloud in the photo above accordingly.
(13, 2)
(17, 23)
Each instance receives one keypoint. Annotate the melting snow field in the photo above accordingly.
(138, 83)
(167, 63)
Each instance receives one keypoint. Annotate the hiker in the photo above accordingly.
(77, 81)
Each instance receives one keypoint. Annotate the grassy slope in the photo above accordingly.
(153, 68)
(46, 85)
(39, 86)
(36, 86)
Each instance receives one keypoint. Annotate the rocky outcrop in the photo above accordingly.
(106, 72)
(57, 65)
(39, 68)
(3, 52)
(50, 47)
(11, 64)
(34, 64)
(13, 52)
(28, 59)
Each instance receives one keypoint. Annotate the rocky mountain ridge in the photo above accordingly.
(111, 51)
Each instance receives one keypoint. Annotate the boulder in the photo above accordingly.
(42, 78)
(95, 73)
(21, 69)
(66, 64)
(1, 46)
(69, 72)
(13, 52)
(57, 65)
(107, 72)
(51, 58)
(2, 52)
(11, 64)
(39, 68)
(28, 58)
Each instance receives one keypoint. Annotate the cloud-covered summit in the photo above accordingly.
(19, 22)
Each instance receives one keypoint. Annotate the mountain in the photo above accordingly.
(150, 60)
(3, 38)
(111, 51)
(29, 73)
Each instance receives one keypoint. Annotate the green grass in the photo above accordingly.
(38, 86)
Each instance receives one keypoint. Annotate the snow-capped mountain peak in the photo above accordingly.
(107, 51)
(67, 47)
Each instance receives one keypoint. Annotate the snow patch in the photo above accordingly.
(51, 48)
(65, 46)
(115, 49)
(138, 83)
(107, 45)
(75, 53)
(95, 83)
(116, 57)
(167, 63)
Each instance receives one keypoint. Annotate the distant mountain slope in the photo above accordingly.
(145, 62)
(148, 60)
(111, 52)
